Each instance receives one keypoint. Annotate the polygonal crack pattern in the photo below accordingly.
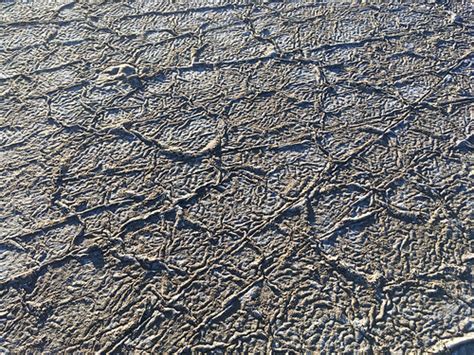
(254, 176)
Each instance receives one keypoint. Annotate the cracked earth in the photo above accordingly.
(255, 176)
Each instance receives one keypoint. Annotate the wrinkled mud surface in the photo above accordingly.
(284, 176)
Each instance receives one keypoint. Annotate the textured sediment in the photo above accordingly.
(251, 177)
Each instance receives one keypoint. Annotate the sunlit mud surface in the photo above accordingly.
(198, 176)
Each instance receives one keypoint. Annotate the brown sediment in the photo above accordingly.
(236, 177)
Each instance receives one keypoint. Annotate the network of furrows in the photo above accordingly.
(286, 176)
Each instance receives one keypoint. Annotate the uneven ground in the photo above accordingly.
(208, 177)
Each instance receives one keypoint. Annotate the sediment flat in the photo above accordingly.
(246, 176)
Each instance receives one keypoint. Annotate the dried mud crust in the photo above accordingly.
(267, 176)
